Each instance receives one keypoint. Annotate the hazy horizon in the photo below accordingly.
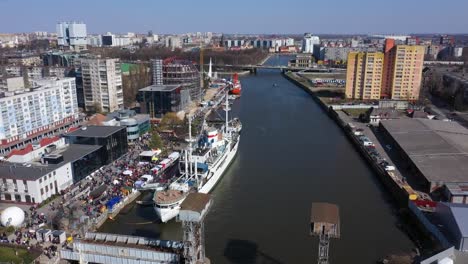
(240, 17)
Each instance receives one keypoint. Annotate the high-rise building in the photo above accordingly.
(364, 73)
(308, 43)
(403, 72)
(49, 102)
(72, 35)
(157, 69)
(102, 84)
(185, 73)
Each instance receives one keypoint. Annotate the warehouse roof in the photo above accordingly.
(438, 148)
(325, 213)
(95, 131)
(195, 202)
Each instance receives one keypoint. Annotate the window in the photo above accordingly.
(40, 180)
(42, 191)
(47, 189)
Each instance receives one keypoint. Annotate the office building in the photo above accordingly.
(308, 43)
(39, 171)
(156, 100)
(72, 35)
(403, 72)
(112, 139)
(136, 124)
(363, 77)
(47, 104)
(102, 84)
(157, 70)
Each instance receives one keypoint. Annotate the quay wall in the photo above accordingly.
(400, 196)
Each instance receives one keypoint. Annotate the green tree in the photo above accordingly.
(156, 141)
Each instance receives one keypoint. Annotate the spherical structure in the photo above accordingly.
(12, 216)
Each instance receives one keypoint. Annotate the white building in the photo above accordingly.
(50, 101)
(72, 35)
(57, 168)
(173, 42)
(111, 40)
(102, 84)
(308, 43)
(95, 40)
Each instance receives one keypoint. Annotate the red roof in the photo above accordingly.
(44, 142)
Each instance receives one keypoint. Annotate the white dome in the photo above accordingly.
(12, 216)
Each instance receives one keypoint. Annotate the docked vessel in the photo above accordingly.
(202, 165)
(236, 87)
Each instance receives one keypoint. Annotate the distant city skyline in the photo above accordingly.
(241, 16)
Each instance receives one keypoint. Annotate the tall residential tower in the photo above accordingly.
(102, 84)
(364, 73)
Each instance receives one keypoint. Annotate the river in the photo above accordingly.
(290, 155)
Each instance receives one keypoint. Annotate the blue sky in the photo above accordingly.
(239, 16)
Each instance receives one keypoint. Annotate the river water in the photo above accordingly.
(290, 155)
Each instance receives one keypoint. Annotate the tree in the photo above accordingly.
(156, 141)
(170, 121)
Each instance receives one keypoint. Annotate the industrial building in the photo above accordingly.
(185, 73)
(156, 100)
(364, 75)
(434, 151)
(72, 35)
(102, 84)
(113, 140)
(454, 218)
(111, 248)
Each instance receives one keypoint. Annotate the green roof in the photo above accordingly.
(125, 67)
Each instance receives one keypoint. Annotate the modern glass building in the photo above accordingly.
(112, 138)
(156, 100)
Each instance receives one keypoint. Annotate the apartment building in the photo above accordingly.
(27, 112)
(102, 84)
(364, 75)
(403, 73)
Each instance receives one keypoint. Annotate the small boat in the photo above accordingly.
(275, 85)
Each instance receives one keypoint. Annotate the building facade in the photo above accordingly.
(112, 139)
(157, 100)
(49, 102)
(308, 43)
(102, 84)
(157, 70)
(136, 124)
(403, 75)
(72, 35)
(363, 77)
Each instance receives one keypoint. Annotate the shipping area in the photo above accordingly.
(124, 178)
(419, 156)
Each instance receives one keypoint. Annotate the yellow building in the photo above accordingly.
(403, 72)
(364, 75)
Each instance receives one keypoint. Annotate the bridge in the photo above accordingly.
(253, 68)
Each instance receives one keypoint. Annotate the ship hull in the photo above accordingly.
(166, 214)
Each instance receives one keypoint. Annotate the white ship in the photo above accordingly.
(201, 167)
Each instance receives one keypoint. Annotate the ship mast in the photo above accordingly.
(227, 110)
(190, 144)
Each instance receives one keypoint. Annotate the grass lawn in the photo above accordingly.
(7, 255)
